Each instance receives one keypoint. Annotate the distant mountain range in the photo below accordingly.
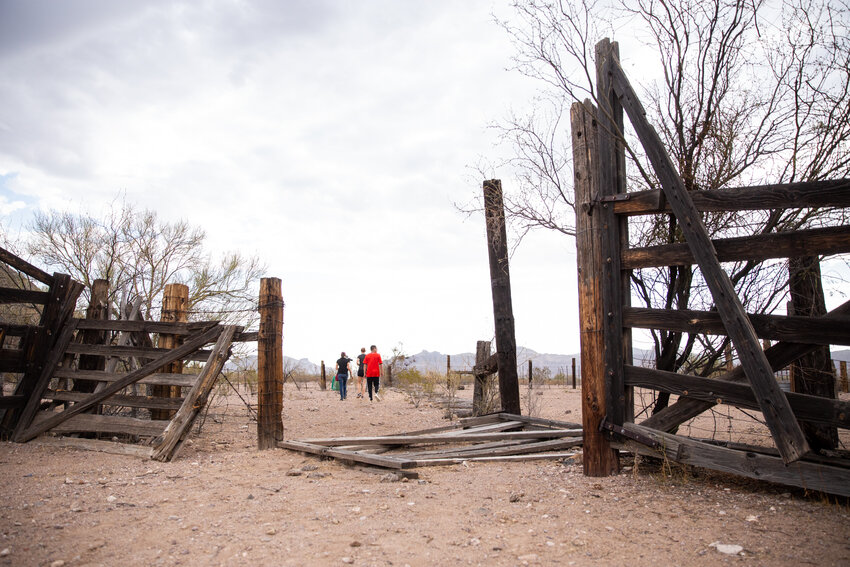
(436, 361)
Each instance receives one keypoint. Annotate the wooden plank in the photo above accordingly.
(806, 407)
(140, 326)
(810, 476)
(502, 459)
(177, 354)
(11, 330)
(820, 241)
(541, 421)
(833, 330)
(246, 337)
(599, 458)
(23, 266)
(377, 460)
(13, 295)
(94, 423)
(830, 193)
(436, 439)
(95, 445)
(166, 446)
(149, 353)
(509, 449)
(12, 360)
(118, 400)
(157, 379)
(13, 401)
(786, 432)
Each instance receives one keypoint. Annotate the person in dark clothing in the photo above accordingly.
(343, 371)
(361, 373)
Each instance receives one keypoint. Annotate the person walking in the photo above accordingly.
(343, 371)
(361, 373)
(373, 363)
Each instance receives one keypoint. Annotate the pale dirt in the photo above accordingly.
(221, 502)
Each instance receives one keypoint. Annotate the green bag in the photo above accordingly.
(335, 384)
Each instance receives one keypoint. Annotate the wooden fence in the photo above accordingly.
(605, 259)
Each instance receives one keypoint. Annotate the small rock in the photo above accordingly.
(308, 468)
(389, 477)
(69, 481)
(97, 544)
(111, 498)
(516, 496)
(727, 548)
(752, 518)
(6, 551)
(293, 472)
(75, 507)
(347, 560)
(317, 474)
(58, 563)
(355, 543)
(271, 531)
(475, 541)
(528, 557)
(250, 497)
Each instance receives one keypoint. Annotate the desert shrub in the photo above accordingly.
(416, 385)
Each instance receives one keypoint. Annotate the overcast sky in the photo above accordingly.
(331, 139)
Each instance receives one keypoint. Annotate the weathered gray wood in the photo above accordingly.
(378, 460)
(557, 424)
(832, 240)
(118, 400)
(139, 326)
(270, 365)
(94, 423)
(814, 330)
(179, 353)
(23, 266)
(829, 193)
(166, 445)
(9, 402)
(810, 476)
(436, 439)
(13, 295)
(502, 459)
(148, 353)
(157, 379)
(496, 451)
(500, 284)
(480, 380)
(786, 432)
(112, 447)
(806, 407)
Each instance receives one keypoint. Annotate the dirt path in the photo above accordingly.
(221, 502)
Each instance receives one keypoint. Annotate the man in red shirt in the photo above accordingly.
(373, 364)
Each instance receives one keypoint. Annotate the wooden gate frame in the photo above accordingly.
(603, 206)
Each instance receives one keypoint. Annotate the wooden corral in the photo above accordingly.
(604, 207)
(80, 377)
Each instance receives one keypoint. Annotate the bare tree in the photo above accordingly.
(137, 251)
(749, 92)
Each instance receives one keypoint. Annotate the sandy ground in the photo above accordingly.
(221, 502)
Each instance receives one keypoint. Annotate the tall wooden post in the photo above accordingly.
(323, 380)
(530, 374)
(598, 457)
(479, 389)
(270, 365)
(175, 305)
(98, 309)
(500, 283)
(574, 373)
(845, 387)
(448, 371)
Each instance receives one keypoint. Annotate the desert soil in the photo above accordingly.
(222, 502)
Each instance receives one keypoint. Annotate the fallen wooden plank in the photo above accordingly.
(513, 449)
(95, 445)
(541, 421)
(378, 460)
(93, 423)
(505, 458)
(434, 439)
(810, 476)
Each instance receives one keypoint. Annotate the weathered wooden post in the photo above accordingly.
(323, 379)
(500, 283)
(574, 373)
(845, 387)
(270, 365)
(727, 352)
(599, 458)
(175, 304)
(98, 309)
(448, 371)
(479, 388)
(530, 374)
